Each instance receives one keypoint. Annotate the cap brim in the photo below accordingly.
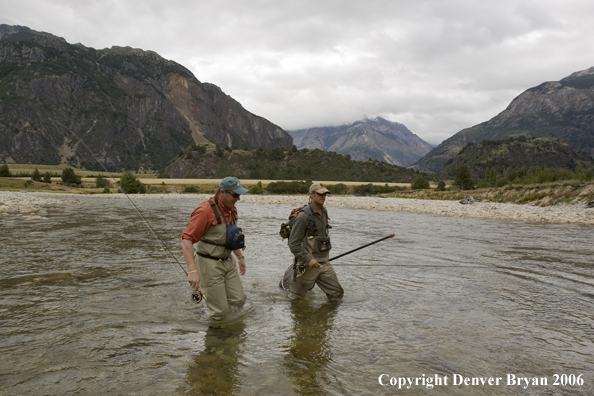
(240, 190)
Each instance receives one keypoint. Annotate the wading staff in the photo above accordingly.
(361, 247)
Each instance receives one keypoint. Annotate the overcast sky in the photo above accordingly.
(436, 66)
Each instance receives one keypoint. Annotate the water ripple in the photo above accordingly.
(89, 301)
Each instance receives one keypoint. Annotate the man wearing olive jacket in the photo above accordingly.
(309, 241)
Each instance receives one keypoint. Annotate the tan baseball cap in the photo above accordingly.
(318, 188)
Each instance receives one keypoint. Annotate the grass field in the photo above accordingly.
(150, 179)
(57, 169)
(541, 194)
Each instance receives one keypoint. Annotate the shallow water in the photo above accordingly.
(91, 303)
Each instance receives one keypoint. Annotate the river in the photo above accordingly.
(92, 303)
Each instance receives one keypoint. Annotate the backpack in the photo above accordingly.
(235, 238)
(285, 228)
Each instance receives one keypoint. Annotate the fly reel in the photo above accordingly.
(197, 296)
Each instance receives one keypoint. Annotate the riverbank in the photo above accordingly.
(546, 194)
(33, 206)
(27, 205)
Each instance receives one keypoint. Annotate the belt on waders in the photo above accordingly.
(213, 258)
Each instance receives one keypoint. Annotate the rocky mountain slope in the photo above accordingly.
(377, 139)
(517, 153)
(124, 107)
(561, 109)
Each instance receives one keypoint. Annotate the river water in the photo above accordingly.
(91, 303)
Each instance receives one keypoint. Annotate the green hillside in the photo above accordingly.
(517, 153)
(210, 161)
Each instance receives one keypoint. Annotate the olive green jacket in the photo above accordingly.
(298, 243)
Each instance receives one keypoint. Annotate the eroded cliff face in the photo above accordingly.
(117, 107)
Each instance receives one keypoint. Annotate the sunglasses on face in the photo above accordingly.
(234, 195)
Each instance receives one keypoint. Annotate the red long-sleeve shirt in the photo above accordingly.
(202, 218)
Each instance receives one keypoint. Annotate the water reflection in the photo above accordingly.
(214, 371)
(309, 351)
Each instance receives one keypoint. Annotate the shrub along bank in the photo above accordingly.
(542, 194)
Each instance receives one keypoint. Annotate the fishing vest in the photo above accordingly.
(212, 245)
(317, 242)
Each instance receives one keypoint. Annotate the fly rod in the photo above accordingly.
(289, 273)
(197, 296)
(361, 247)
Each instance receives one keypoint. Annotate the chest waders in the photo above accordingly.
(217, 268)
(319, 246)
(213, 245)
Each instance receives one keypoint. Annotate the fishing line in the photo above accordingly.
(195, 297)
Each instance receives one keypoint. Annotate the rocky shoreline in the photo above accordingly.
(32, 206)
(27, 206)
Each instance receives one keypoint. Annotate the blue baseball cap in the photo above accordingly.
(232, 184)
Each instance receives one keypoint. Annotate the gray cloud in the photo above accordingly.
(436, 66)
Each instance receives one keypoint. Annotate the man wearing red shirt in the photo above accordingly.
(209, 262)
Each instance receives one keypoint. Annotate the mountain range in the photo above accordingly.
(121, 107)
(561, 109)
(125, 108)
(376, 139)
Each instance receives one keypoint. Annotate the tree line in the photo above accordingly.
(128, 182)
(209, 161)
(463, 180)
(533, 175)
